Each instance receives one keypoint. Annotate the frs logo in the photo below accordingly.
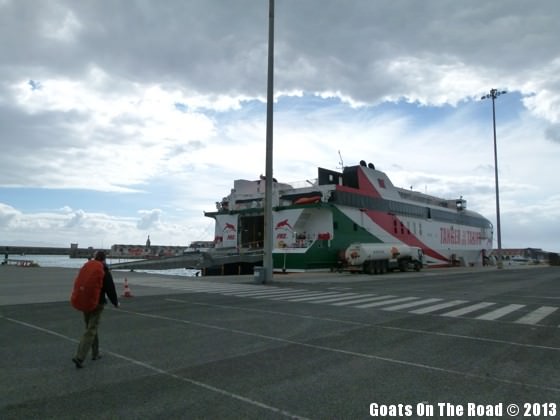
(284, 224)
(230, 227)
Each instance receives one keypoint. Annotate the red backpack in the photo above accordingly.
(87, 286)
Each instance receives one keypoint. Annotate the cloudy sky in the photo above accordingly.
(121, 119)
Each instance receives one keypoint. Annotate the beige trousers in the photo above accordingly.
(89, 339)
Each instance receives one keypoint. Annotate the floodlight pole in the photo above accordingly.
(494, 93)
(268, 222)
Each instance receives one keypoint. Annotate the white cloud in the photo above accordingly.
(8, 215)
(149, 219)
(76, 220)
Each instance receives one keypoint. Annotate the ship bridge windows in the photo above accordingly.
(406, 209)
(398, 208)
(459, 218)
(328, 177)
(359, 201)
(444, 216)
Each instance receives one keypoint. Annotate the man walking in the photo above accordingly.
(93, 282)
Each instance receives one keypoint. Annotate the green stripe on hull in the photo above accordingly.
(324, 254)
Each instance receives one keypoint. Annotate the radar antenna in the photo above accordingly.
(341, 163)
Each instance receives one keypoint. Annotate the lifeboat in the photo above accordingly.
(308, 200)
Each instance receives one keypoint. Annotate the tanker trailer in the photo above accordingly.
(379, 258)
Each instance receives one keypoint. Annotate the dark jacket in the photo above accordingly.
(108, 288)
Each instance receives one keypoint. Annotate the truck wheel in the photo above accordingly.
(384, 266)
(368, 267)
(417, 267)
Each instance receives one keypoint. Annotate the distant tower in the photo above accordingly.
(148, 243)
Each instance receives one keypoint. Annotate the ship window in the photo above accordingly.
(414, 227)
(420, 228)
(355, 227)
(402, 229)
(395, 225)
(335, 225)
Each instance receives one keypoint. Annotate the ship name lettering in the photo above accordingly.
(459, 237)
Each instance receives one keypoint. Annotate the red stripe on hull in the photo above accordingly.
(366, 187)
(387, 223)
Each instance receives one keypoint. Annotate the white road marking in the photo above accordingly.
(385, 302)
(269, 293)
(314, 296)
(437, 307)
(364, 299)
(537, 315)
(411, 304)
(469, 309)
(344, 296)
(500, 312)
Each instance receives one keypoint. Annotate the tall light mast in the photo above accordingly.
(494, 93)
(268, 222)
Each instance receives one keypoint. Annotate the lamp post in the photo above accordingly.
(494, 93)
(268, 231)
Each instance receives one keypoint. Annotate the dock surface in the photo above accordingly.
(323, 345)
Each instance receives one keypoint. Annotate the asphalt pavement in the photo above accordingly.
(318, 346)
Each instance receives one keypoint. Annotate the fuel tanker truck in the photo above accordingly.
(379, 258)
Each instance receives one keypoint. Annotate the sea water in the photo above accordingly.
(64, 261)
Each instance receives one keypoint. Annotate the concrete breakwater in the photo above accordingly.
(72, 251)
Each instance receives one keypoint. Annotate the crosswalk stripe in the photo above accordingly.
(537, 315)
(313, 297)
(437, 307)
(364, 298)
(468, 309)
(385, 302)
(343, 296)
(498, 313)
(250, 292)
(269, 293)
(208, 288)
(263, 289)
(223, 291)
(411, 304)
(188, 289)
(294, 295)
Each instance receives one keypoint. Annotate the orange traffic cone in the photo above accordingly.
(126, 292)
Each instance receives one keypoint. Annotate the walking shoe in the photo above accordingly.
(96, 357)
(77, 362)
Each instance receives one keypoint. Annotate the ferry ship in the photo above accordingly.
(315, 223)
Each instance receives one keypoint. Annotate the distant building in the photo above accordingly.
(521, 254)
(141, 251)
